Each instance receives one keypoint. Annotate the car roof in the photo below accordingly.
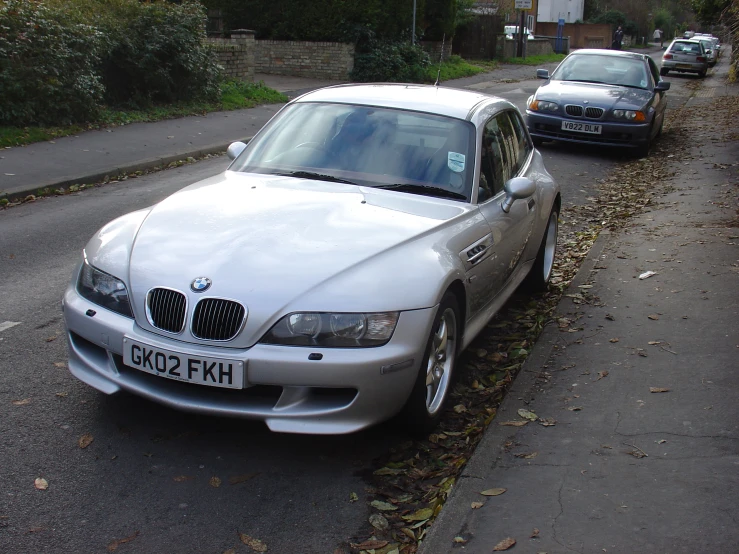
(444, 101)
(612, 53)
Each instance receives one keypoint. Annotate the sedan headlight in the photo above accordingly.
(543, 106)
(337, 330)
(629, 115)
(104, 290)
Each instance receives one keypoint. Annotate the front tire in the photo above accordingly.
(425, 404)
(538, 278)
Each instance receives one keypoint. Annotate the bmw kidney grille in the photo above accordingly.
(165, 309)
(217, 319)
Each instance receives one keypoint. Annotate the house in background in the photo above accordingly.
(509, 17)
(553, 10)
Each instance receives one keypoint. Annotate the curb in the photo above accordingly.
(118, 171)
(494, 436)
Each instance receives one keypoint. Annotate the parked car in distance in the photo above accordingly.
(328, 279)
(708, 48)
(607, 97)
(512, 30)
(685, 56)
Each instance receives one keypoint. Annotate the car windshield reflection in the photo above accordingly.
(609, 70)
(431, 155)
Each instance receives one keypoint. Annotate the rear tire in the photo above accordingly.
(425, 404)
(664, 71)
(702, 74)
(538, 278)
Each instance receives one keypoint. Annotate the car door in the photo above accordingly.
(659, 102)
(507, 153)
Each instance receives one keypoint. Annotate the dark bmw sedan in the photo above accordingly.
(605, 97)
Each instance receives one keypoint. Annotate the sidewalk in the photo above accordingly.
(642, 380)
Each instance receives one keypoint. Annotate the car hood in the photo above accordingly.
(598, 95)
(266, 241)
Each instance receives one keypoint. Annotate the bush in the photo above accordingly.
(157, 54)
(47, 66)
(391, 62)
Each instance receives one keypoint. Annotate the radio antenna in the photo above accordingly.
(441, 57)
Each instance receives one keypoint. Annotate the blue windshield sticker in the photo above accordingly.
(455, 162)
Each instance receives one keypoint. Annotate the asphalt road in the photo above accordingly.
(148, 478)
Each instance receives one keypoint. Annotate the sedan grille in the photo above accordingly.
(165, 309)
(575, 111)
(593, 113)
(217, 319)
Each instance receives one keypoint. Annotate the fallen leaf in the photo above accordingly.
(460, 540)
(238, 479)
(388, 471)
(85, 440)
(41, 484)
(527, 455)
(647, 275)
(383, 506)
(602, 374)
(62, 394)
(505, 544)
(613, 340)
(534, 533)
(654, 342)
(21, 402)
(476, 505)
(51, 338)
(548, 422)
(658, 389)
(420, 515)
(661, 441)
(575, 408)
(353, 497)
(230, 551)
(255, 544)
(379, 522)
(369, 544)
(112, 547)
(183, 478)
(60, 365)
(609, 317)
(460, 408)
(215, 482)
(653, 317)
(513, 423)
(531, 416)
(493, 492)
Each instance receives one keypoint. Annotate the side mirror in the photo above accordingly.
(517, 189)
(542, 74)
(661, 86)
(234, 149)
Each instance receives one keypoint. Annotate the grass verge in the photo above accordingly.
(235, 95)
(455, 68)
(536, 60)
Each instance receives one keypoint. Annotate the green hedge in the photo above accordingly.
(48, 66)
(391, 62)
(59, 61)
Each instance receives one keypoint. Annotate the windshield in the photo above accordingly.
(611, 70)
(393, 149)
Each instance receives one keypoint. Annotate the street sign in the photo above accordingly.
(523, 4)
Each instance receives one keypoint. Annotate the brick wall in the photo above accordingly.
(236, 54)
(534, 47)
(318, 60)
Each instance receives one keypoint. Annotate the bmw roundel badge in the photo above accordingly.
(201, 284)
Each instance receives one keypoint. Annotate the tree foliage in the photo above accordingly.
(709, 12)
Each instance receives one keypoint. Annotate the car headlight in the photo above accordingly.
(104, 290)
(333, 330)
(543, 106)
(629, 115)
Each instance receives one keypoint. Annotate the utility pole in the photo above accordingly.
(413, 29)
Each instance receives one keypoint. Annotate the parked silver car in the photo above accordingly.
(709, 49)
(685, 56)
(328, 279)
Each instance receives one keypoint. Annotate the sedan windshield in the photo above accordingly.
(610, 70)
(392, 149)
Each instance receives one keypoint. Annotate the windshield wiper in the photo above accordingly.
(424, 189)
(316, 176)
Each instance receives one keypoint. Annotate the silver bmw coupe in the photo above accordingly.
(328, 279)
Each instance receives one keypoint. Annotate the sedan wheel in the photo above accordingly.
(424, 407)
(538, 277)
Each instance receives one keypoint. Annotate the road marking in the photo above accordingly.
(5, 325)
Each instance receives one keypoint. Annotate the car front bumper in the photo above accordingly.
(549, 127)
(344, 391)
